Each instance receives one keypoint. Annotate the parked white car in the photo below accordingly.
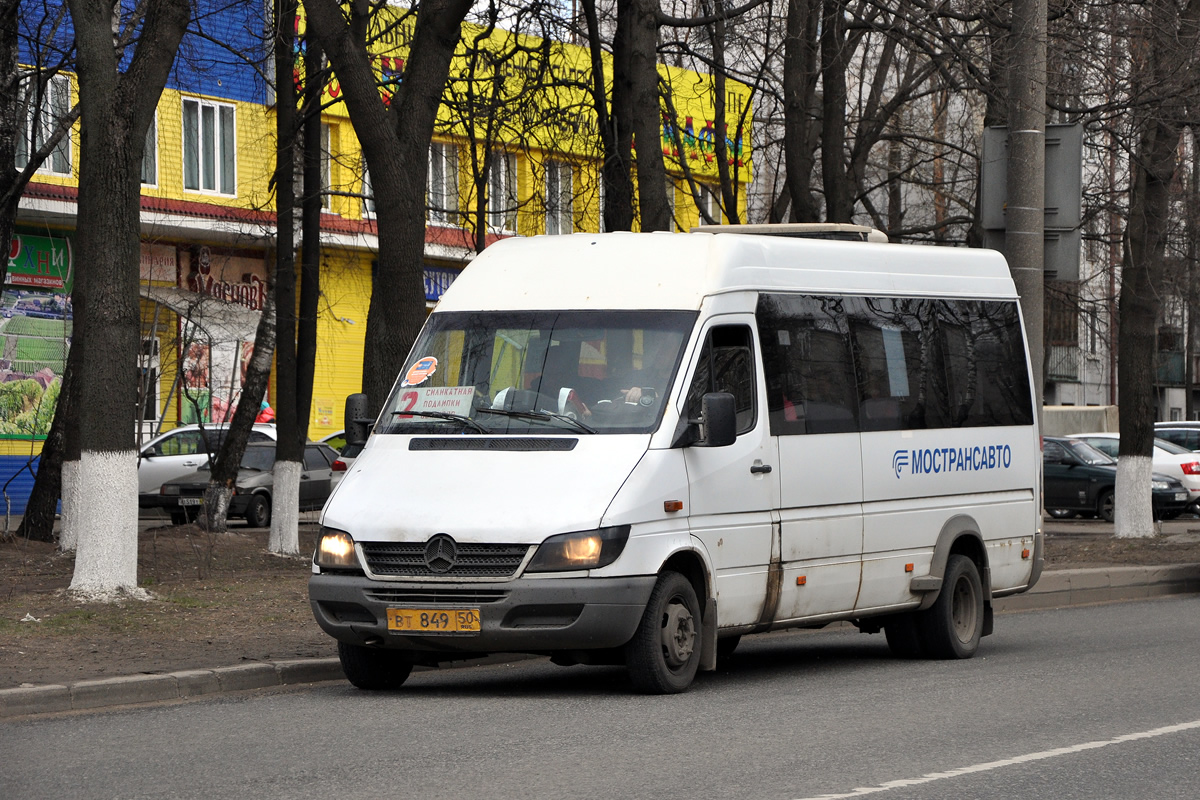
(1169, 459)
(1183, 433)
(183, 450)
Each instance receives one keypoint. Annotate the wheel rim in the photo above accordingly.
(964, 611)
(678, 634)
(1106, 506)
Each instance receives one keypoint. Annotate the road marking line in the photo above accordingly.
(1008, 762)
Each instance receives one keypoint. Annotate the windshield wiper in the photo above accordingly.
(539, 416)
(443, 415)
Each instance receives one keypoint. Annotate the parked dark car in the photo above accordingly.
(252, 493)
(1078, 478)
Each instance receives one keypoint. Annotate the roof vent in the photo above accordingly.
(803, 230)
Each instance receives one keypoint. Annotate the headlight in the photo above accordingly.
(335, 549)
(169, 489)
(580, 550)
(1160, 485)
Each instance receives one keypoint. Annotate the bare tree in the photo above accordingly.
(117, 101)
(395, 137)
(1166, 76)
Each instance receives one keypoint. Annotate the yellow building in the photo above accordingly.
(208, 217)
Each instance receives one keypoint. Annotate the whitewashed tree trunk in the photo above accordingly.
(107, 534)
(68, 536)
(1133, 516)
(285, 509)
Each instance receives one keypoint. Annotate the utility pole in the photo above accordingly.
(1026, 191)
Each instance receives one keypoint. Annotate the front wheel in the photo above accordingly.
(371, 668)
(953, 625)
(664, 653)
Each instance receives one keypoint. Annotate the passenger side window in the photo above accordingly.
(726, 364)
(314, 459)
(806, 361)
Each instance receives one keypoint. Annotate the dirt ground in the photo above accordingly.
(222, 600)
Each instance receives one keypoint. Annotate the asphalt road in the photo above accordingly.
(1094, 702)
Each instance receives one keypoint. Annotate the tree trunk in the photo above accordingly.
(615, 175)
(799, 89)
(116, 110)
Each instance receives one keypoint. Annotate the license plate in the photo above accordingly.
(190, 501)
(1180, 496)
(430, 620)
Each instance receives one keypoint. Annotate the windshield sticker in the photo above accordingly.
(443, 399)
(419, 372)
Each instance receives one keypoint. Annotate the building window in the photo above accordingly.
(368, 194)
(502, 192)
(150, 154)
(208, 147)
(442, 185)
(41, 122)
(560, 194)
(709, 202)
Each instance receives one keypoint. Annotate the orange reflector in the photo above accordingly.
(908, 567)
(1025, 553)
(801, 580)
(673, 505)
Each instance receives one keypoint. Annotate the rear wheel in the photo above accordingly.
(664, 653)
(1106, 505)
(370, 668)
(725, 648)
(953, 625)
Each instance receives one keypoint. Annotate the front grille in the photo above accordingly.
(435, 595)
(407, 559)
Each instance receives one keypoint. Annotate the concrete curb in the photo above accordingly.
(1056, 589)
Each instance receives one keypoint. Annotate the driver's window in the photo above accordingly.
(726, 364)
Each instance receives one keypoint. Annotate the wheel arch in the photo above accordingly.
(960, 535)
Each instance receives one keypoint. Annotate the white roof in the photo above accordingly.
(678, 270)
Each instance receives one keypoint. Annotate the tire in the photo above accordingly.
(258, 513)
(180, 518)
(953, 625)
(904, 635)
(664, 653)
(1105, 505)
(373, 669)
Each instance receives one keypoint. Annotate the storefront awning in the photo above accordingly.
(221, 321)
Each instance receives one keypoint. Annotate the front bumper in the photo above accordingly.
(519, 616)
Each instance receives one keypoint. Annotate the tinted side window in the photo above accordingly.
(314, 459)
(807, 365)
(835, 364)
(726, 365)
(985, 353)
(184, 444)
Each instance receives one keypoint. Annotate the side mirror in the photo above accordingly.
(718, 416)
(357, 423)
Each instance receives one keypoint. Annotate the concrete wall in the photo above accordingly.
(1064, 420)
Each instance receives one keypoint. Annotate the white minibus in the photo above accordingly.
(635, 448)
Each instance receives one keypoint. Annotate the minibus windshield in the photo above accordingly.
(539, 372)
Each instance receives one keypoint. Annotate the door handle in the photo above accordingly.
(760, 469)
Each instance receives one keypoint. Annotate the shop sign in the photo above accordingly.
(158, 262)
(39, 261)
(233, 279)
(437, 281)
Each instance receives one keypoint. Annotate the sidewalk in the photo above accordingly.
(1056, 589)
